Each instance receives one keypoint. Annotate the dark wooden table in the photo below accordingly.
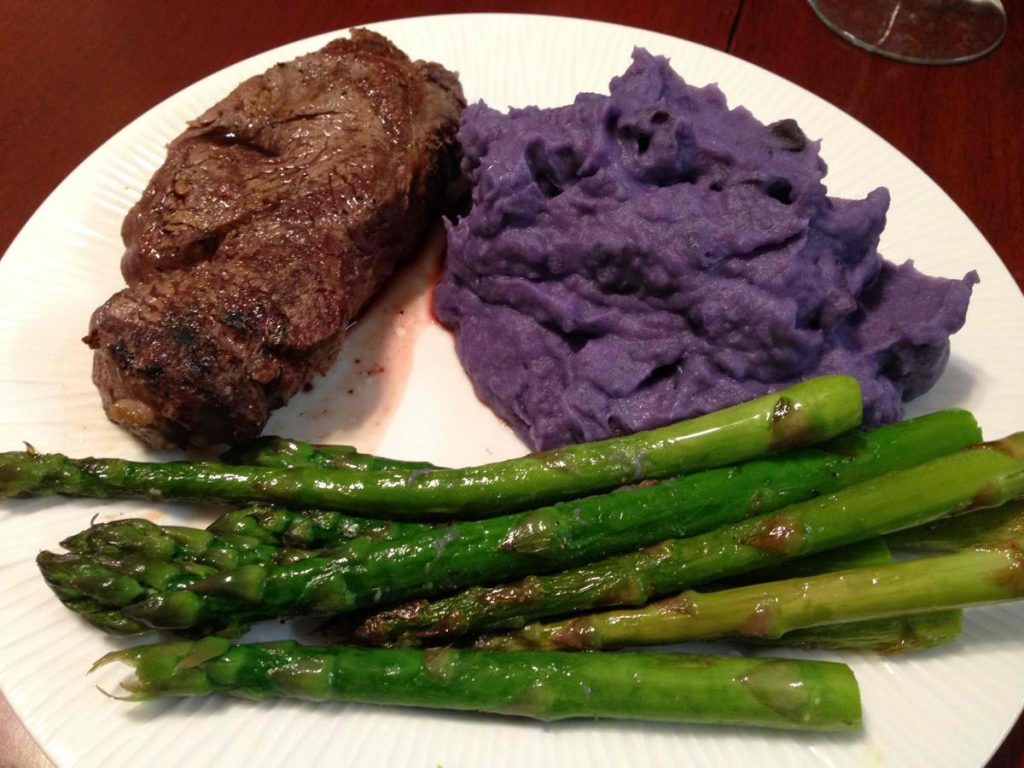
(74, 73)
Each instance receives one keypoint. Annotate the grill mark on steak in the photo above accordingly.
(275, 217)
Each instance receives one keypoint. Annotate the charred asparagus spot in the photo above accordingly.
(770, 611)
(271, 451)
(985, 475)
(363, 573)
(771, 693)
(814, 411)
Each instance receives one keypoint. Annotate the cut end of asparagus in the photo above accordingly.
(792, 422)
(783, 686)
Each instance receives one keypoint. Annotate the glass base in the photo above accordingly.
(917, 31)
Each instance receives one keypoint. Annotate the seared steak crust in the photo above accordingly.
(276, 215)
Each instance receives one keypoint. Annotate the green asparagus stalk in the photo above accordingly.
(982, 527)
(803, 414)
(307, 529)
(887, 637)
(270, 451)
(969, 577)
(366, 573)
(801, 695)
(982, 476)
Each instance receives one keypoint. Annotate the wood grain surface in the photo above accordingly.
(76, 72)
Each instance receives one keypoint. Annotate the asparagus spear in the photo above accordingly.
(772, 693)
(888, 636)
(542, 540)
(802, 414)
(982, 527)
(968, 577)
(981, 476)
(270, 451)
(307, 529)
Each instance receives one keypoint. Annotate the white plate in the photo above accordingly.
(948, 707)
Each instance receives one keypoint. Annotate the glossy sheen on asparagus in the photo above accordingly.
(801, 695)
(969, 577)
(803, 414)
(981, 476)
(365, 573)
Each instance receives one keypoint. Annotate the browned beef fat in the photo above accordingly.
(276, 215)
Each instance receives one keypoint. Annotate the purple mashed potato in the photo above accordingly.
(635, 259)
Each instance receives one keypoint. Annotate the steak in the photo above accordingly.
(275, 217)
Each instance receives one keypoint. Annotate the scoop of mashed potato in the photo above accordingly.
(634, 259)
